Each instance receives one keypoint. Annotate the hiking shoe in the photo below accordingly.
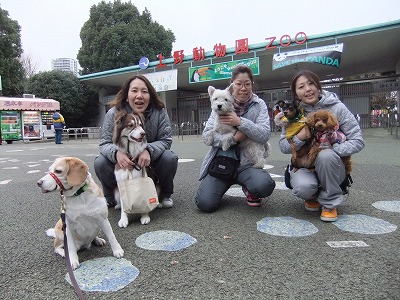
(329, 215)
(311, 205)
(166, 203)
(251, 200)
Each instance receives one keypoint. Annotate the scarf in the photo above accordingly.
(241, 107)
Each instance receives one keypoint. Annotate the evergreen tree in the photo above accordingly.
(11, 70)
(79, 103)
(117, 35)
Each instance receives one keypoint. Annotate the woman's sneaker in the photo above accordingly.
(251, 200)
(329, 215)
(311, 205)
(166, 203)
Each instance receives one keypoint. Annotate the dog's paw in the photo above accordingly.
(145, 219)
(118, 253)
(99, 241)
(123, 222)
(60, 251)
(74, 264)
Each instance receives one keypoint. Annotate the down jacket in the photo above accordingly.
(254, 124)
(347, 124)
(157, 127)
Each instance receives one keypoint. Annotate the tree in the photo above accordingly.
(11, 70)
(117, 35)
(79, 104)
(29, 64)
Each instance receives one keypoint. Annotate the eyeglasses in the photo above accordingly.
(246, 85)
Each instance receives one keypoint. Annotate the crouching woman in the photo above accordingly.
(252, 122)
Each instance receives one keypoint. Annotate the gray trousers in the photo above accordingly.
(209, 195)
(165, 168)
(330, 171)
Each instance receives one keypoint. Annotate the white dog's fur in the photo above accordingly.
(130, 138)
(222, 103)
(86, 209)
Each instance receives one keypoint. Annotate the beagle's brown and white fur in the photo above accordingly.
(86, 211)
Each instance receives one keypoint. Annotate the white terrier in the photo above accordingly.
(222, 103)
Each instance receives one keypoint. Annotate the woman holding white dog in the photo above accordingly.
(139, 96)
(251, 120)
(322, 186)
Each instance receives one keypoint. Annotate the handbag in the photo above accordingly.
(138, 195)
(224, 165)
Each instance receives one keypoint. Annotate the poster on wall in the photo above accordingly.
(31, 123)
(326, 55)
(221, 70)
(10, 125)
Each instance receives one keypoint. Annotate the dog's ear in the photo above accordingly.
(332, 121)
(211, 90)
(141, 117)
(230, 88)
(77, 171)
(119, 120)
(310, 119)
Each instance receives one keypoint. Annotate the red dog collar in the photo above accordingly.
(57, 180)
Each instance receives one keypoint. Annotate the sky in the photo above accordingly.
(50, 28)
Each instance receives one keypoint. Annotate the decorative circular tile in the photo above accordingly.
(183, 160)
(165, 240)
(105, 274)
(393, 206)
(363, 224)
(286, 226)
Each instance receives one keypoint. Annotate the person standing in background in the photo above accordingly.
(59, 123)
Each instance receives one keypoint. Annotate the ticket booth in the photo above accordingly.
(26, 118)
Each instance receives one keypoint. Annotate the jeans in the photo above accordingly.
(58, 136)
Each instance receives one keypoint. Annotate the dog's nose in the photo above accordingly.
(39, 183)
(219, 106)
(143, 134)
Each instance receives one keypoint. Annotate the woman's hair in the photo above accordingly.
(242, 69)
(310, 76)
(122, 96)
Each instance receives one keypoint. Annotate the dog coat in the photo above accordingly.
(329, 137)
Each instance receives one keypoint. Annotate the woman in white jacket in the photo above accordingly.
(322, 187)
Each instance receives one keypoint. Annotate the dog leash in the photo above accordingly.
(77, 289)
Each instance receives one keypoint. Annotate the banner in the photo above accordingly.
(326, 55)
(221, 70)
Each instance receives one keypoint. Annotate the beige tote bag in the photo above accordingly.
(138, 195)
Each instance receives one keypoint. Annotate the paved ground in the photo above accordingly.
(278, 251)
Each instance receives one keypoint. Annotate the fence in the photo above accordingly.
(186, 128)
(80, 133)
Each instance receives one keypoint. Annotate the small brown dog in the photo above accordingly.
(324, 126)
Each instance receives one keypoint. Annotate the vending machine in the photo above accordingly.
(32, 125)
(47, 124)
(10, 125)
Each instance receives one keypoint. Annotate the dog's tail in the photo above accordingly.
(51, 232)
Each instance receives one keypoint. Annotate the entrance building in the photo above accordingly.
(358, 64)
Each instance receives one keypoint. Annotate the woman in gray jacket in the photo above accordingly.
(252, 121)
(139, 96)
(322, 187)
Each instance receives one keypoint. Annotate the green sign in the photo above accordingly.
(221, 70)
